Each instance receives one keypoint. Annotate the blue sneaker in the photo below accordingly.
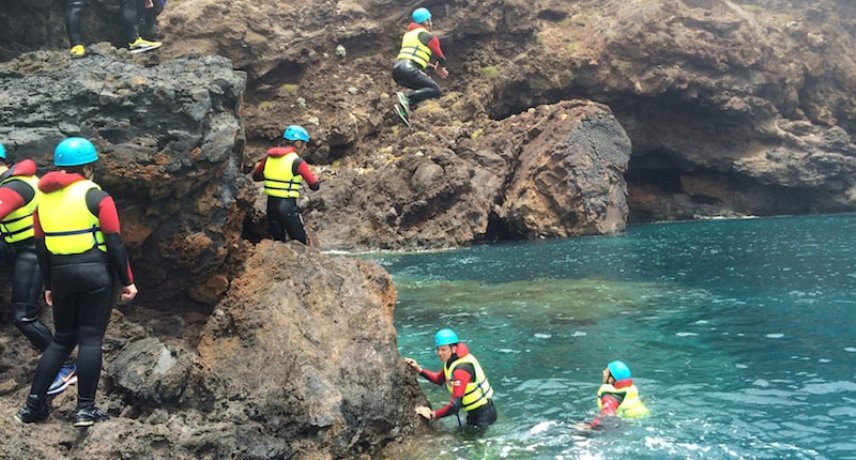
(67, 375)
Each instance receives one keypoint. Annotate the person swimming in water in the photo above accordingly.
(616, 397)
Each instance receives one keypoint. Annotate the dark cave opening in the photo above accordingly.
(498, 230)
(666, 180)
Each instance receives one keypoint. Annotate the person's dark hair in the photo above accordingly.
(76, 169)
(283, 142)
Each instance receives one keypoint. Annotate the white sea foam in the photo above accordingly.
(579, 334)
(850, 349)
(507, 351)
(543, 336)
(774, 336)
(542, 427)
(686, 334)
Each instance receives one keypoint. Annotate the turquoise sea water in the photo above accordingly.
(740, 334)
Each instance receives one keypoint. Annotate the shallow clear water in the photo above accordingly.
(740, 334)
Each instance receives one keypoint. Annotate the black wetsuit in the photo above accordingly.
(26, 291)
(407, 74)
(26, 279)
(284, 217)
(127, 9)
(84, 288)
(283, 214)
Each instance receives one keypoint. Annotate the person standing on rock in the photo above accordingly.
(419, 49)
(283, 170)
(82, 256)
(130, 19)
(464, 378)
(18, 199)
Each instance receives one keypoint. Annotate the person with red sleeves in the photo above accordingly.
(419, 50)
(283, 170)
(19, 196)
(616, 397)
(465, 379)
(83, 262)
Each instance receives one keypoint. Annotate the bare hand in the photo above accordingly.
(424, 412)
(442, 72)
(129, 292)
(49, 297)
(413, 364)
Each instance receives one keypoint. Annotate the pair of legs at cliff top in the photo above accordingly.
(148, 15)
(82, 300)
(406, 73)
(130, 22)
(284, 217)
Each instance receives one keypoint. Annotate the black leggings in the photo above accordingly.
(283, 217)
(148, 18)
(74, 9)
(83, 296)
(407, 74)
(481, 418)
(26, 290)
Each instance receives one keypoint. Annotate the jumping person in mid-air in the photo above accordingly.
(419, 50)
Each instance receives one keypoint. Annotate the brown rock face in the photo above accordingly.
(299, 360)
(556, 171)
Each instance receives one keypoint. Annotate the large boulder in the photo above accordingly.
(304, 347)
(570, 175)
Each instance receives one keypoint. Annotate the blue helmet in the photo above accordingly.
(619, 370)
(445, 337)
(420, 15)
(75, 151)
(295, 133)
(2, 152)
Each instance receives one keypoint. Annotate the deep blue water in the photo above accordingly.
(740, 335)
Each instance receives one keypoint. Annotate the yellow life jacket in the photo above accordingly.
(630, 406)
(279, 180)
(68, 225)
(478, 392)
(18, 225)
(413, 49)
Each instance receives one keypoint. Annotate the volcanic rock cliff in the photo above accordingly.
(559, 118)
